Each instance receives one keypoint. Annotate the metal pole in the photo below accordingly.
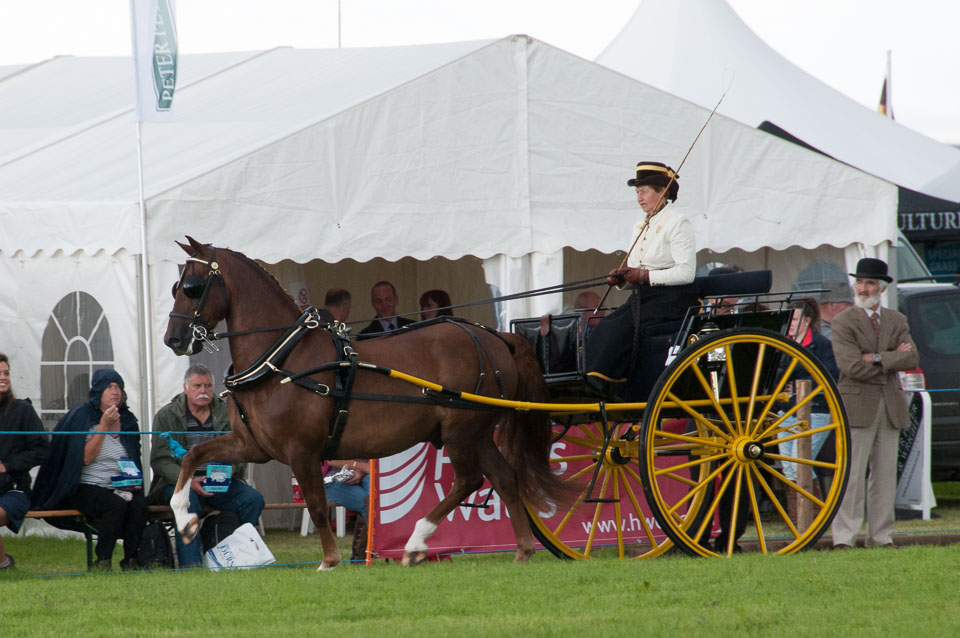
(145, 306)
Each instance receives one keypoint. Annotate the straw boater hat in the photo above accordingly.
(870, 268)
(656, 174)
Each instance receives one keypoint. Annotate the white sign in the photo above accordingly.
(914, 489)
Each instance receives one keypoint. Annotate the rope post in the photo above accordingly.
(804, 451)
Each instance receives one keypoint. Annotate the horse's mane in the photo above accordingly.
(260, 269)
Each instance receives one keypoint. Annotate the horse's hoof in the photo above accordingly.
(189, 532)
(412, 559)
(326, 568)
(522, 557)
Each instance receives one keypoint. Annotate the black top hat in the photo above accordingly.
(870, 268)
(656, 174)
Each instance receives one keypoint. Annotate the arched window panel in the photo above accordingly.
(76, 343)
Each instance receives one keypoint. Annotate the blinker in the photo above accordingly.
(193, 286)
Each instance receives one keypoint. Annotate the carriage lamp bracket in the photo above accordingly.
(607, 430)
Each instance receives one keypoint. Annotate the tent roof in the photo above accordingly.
(508, 146)
(702, 44)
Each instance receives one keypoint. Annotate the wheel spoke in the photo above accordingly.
(589, 443)
(830, 427)
(667, 471)
(713, 400)
(793, 410)
(799, 490)
(698, 417)
(689, 439)
(776, 503)
(566, 518)
(810, 462)
(732, 384)
(707, 521)
(618, 521)
(700, 487)
(734, 511)
(772, 400)
(596, 512)
(648, 532)
(755, 508)
(753, 386)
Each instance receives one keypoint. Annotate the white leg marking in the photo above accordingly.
(179, 503)
(322, 568)
(417, 542)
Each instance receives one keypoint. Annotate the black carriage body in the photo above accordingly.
(561, 341)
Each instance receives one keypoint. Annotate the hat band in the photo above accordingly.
(658, 169)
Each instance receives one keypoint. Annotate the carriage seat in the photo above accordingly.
(736, 284)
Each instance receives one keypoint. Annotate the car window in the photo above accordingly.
(909, 264)
(935, 323)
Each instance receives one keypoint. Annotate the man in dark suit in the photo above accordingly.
(871, 344)
(383, 298)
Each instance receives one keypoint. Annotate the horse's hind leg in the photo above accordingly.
(504, 481)
(467, 478)
(228, 448)
(309, 473)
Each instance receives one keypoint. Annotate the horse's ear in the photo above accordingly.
(195, 248)
(186, 248)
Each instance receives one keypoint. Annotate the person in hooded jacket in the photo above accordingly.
(78, 473)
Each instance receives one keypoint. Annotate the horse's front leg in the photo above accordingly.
(309, 473)
(228, 448)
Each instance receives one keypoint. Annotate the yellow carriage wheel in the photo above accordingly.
(610, 520)
(724, 404)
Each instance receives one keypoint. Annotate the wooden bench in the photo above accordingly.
(159, 512)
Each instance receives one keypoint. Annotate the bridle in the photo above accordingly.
(195, 287)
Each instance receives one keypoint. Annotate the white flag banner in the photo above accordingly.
(154, 34)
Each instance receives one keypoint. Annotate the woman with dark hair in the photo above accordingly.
(81, 470)
(804, 329)
(431, 301)
(18, 453)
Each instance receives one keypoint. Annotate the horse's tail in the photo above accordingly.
(525, 436)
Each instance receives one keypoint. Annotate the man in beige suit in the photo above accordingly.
(871, 344)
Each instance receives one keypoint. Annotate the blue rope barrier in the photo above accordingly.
(140, 432)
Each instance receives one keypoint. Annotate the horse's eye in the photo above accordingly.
(193, 286)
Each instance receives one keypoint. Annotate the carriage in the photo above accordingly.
(696, 466)
(700, 457)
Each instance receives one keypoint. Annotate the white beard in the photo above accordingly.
(867, 302)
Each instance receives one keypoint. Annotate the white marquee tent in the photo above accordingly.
(698, 47)
(508, 150)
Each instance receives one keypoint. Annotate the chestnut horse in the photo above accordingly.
(274, 420)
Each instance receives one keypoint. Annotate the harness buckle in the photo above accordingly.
(200, 334)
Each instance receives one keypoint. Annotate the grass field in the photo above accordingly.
(862, 592)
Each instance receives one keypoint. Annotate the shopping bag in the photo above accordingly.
(241, 550)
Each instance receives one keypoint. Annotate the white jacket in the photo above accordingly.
(666, 248)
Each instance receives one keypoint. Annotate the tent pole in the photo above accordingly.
(145, 307)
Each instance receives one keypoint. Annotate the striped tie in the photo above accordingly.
(875, 320)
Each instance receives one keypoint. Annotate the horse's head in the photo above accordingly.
(200, 299)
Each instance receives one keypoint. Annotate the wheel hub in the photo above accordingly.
(747, 450)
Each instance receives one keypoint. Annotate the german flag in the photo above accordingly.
(885, 108)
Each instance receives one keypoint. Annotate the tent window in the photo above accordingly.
(76, 342)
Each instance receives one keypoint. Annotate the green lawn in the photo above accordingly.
(861, 592)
